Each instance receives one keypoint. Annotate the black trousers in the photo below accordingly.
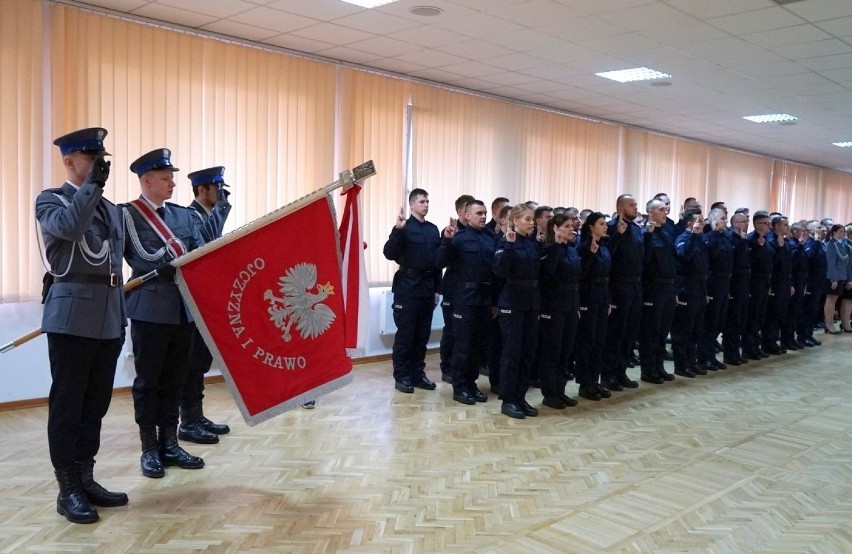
(622, 329)
(776, 315)
(200, 360)
(448, 339)
(161, 353)
(557, 332)
(735, 320)
(657, 315)
(714, 322)
(520, 342)
(810, 308)
(413, 319)
(687, 327)
(82, 372)
(756, 316)
(794, 313)
(469, 327)
(591, 338)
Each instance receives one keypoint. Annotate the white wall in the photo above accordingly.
(25, 370)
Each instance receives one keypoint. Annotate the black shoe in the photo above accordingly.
(762, 354)
(404, 385)
(528, 410)
(151, 464)
(570, 402)
(774, 350)
(554, 402)
(612, 384)
(423, 382)
(731, 361)
(815, 342)
(93, 490)
(666, 376)
(71, 501)
(655, 379)
(174, 455)
(512, 410)
(215, 428)
(789, 346)
(447, 378)
(753, 356)
(603, 391)
(626, 382)
(800, 344)
(698, 370)
(706, 366)
(478, 395)
(194, 431)
(743, 360)
(589, 393)
(718, 364)
(685, 373)
(464, 397)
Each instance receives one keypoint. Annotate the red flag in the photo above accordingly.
(268, 300)
(353, 263)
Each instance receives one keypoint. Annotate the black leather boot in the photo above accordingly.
(150, 461)
(96, 494)
(71, 502)
(173, 455)
(216, 428)
(192, 427)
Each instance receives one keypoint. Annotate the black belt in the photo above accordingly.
(410, 272)
(531, 283)
(473, 285)
(596, 280)
(660, 281)
(627, 279)
(571, 287)
(111, 280)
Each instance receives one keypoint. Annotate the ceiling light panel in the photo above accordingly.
(847, 144)
(771, 118)
(635, 74)
(369, 3)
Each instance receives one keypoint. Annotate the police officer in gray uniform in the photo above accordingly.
(211, 203)
(160, 324)
(84, 318)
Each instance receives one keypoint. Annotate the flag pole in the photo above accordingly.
(128, 286)
(347, 180)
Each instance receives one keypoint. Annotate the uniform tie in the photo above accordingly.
(162, 212)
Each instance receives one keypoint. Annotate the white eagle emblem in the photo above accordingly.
(299, 306)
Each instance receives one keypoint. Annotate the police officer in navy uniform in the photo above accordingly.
(84, 318)
(517, 260)
(595, 264)
(211, 203)
(448, 293)
(626, 246)
(780, 285)
(659, 293)
(796, 245)
(412, 244)
(160, 323)
(738, 291)
(721, 255)
(693, 265)
(560, 309)
(760, 256)
(817, 269)
(470, 252)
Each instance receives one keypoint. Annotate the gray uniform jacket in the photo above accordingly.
(158, 300)
(82, 302)
(213, 222)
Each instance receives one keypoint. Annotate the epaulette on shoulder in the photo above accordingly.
(178, 206)
(57, 190)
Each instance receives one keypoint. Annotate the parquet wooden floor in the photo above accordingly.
(752, 459)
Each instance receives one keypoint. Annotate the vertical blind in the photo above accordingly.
(283, 126)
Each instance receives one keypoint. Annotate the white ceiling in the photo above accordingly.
(728, 58)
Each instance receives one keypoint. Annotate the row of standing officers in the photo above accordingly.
(526, 300)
